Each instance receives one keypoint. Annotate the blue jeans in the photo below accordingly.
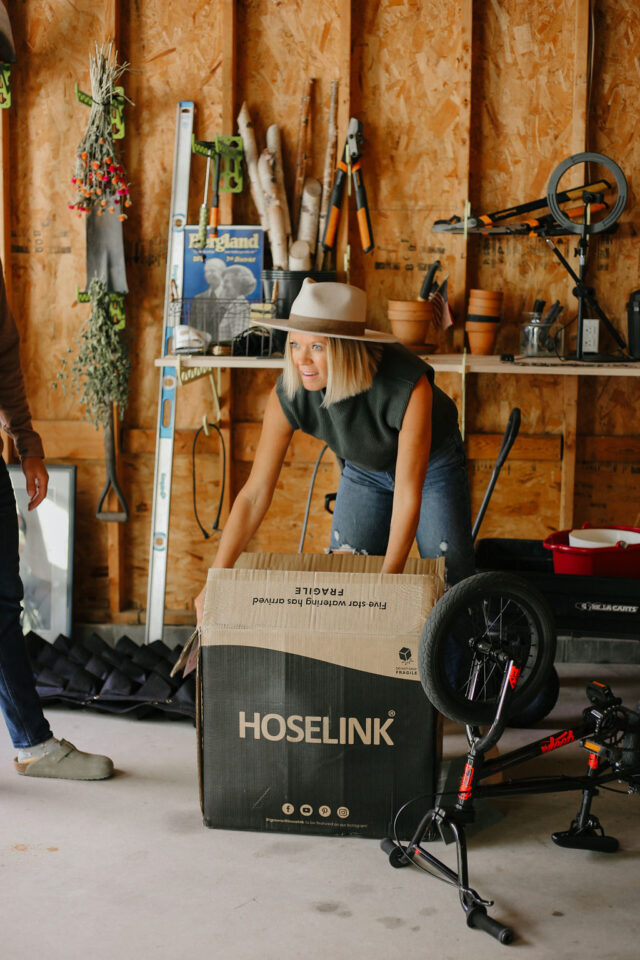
(18, 697)
(362, 513)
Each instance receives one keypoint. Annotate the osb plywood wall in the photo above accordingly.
(459, 100)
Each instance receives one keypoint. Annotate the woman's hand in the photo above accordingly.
(37, 480)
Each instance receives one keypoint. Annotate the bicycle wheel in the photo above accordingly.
(469, 636)
(541, 704)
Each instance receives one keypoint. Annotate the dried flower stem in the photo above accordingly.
(99, 178)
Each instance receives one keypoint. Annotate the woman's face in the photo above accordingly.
(309, 355)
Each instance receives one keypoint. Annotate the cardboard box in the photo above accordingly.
(312, 718)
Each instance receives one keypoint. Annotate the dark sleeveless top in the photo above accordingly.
(364, 429)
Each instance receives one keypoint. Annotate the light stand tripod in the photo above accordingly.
(581, 291)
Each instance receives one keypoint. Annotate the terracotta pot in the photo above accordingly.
(409, 330)
(485, 303)
(482, 310)
(481, 336)
(412, 308)
(486, 294)
(410, 320)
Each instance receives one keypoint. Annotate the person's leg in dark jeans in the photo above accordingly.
(362, 511)
(39, 753)
(445, 516)
(19, 700)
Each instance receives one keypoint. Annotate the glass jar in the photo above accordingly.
(537, 339)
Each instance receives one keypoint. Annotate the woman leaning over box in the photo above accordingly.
(394, 432)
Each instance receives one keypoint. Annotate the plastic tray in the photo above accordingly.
(616, 561)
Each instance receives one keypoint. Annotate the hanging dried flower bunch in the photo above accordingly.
(101, 369)
(99, 178)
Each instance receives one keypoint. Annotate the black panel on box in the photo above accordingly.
(275, 732)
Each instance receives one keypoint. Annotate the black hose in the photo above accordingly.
(223, 451)
(308, 507)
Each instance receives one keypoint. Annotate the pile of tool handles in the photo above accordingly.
(302, 237)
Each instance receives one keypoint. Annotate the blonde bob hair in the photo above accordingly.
(351, 366)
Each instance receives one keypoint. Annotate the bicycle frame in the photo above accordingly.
(603, 721)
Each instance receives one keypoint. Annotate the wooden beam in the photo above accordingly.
(579, 116)
(485, 446)
(111, 21)
(569, 420)
(227, 19)
(459, 269)
(134, 616)
(79, 440)
(608, 450)
(305, 449)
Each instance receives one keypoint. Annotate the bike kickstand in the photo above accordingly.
(586, 832)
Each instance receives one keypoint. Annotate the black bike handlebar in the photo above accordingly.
(477, 917)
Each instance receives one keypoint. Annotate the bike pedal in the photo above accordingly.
(601, 695)
(602, 750)
(585, 841)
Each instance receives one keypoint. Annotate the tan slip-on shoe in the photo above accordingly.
(64, 762)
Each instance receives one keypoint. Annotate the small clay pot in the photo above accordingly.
(480, 310)
(409, 330)
(485, 303)
(410, 319)
(486, 294)
(481, 336)
(414, 308)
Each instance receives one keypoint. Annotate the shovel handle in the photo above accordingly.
(117, 516)
(510, 434)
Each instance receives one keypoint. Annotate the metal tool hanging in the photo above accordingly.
(226, 154)
(350, 166)
(168, 382)
(495, 222)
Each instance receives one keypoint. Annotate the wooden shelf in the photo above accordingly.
(447, 362)
(192, 367)
(187, 361)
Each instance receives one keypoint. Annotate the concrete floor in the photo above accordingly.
(126, 869)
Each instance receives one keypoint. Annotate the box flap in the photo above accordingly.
(324, 607)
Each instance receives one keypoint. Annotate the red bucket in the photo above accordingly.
(614, 561)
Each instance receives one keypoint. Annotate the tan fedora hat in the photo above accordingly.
(330, 310)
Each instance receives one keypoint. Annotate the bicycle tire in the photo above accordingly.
(506, 615)
(541, 704)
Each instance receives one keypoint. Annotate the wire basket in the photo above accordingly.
(234, 324)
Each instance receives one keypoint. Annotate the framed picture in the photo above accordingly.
(46, 552)
(221, 280)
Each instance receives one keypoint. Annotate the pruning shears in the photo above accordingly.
(349, 164)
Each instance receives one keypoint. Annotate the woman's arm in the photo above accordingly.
(253, 500)
(414, 443)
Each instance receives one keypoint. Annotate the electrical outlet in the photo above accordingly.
(590, 333)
